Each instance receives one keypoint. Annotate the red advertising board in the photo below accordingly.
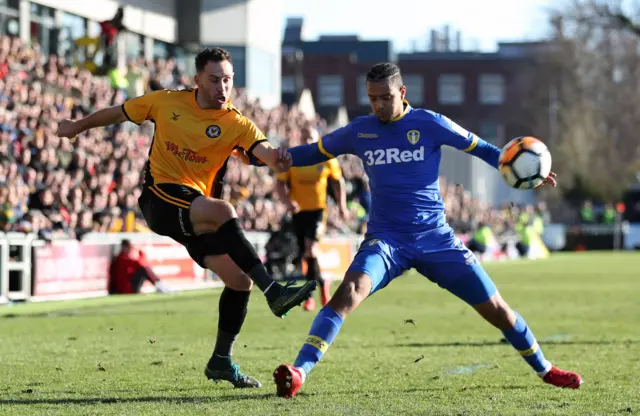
(73, 269)
(70, 268)
(171, 261)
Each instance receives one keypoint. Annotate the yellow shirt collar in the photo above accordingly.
(407, 107)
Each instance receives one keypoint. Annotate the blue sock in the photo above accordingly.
(324, 329)
(522, 339)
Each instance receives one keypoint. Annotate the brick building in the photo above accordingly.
(481, 91)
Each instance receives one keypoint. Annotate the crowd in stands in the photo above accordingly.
(57, 188)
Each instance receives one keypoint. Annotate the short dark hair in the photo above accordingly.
(211, 55)
(383, 72)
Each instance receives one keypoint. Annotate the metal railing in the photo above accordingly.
(16, 265)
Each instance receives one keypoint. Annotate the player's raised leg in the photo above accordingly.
(477, 289)
(209, 215)
(372, 269)
(232, 312)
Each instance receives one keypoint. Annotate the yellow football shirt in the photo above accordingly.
(190, 145)
(308, 184)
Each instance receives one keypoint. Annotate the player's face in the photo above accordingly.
(215, 83)
(386, 99)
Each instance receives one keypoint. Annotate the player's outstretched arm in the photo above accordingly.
(451, 134)
(307, 155)
(265, 152)
(336, 143)
(485, 151)
(101, 118)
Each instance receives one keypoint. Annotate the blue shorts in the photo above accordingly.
(438, 255)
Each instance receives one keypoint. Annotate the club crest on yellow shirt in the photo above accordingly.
(213, 131)
(413, 136)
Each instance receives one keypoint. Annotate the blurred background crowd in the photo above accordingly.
(57, 188)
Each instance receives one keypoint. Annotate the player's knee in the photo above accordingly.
(239, 282)
(208, 214)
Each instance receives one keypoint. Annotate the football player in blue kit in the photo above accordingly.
(400, 148)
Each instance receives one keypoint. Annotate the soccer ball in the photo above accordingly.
(525, 162)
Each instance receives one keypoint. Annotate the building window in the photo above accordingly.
(75, 25)
(93, 29)
(415, 89)
(73, 28)
(41, 11)
(9, 18)
(489, 131)
(491, 89)
(330, 90)
(451, 89)
(363, 97)
(11, 4)
(133, 45)
(42, 28)
(288, 84)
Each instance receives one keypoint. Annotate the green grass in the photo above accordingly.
(97, 356)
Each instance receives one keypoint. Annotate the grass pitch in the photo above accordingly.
(145, 354)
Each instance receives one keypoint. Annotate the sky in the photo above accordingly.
(482, 23)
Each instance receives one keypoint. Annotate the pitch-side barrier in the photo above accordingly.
(35, 270)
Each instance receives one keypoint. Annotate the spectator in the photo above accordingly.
(129, 270)
(93, 184)
(609, 214)
(481, 239)
(110, 30)
(587, 216)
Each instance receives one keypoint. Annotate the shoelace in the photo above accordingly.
(289, 284)
(237, 374)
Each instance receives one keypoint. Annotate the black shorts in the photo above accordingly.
(165, 207)
(308, 225)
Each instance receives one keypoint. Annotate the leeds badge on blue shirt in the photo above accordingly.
(413, 136)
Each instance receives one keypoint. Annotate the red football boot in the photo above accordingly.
(562, 378)
(309, 305)
(288, 380)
